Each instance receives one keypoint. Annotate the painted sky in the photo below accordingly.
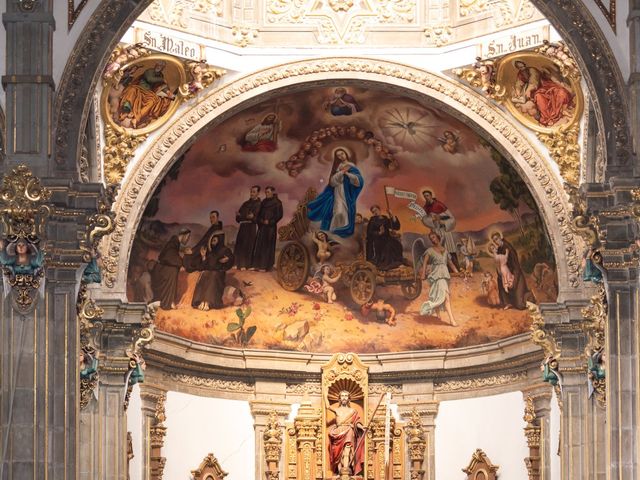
(216, 174)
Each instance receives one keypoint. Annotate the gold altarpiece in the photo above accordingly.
(307, 441)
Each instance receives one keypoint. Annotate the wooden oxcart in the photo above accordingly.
(294, 263)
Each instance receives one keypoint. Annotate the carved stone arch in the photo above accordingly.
(454, 98)
(112, 18)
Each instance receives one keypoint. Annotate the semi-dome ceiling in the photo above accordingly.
(342, 275)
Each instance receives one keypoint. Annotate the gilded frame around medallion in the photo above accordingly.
(506, 74)
(179, 80)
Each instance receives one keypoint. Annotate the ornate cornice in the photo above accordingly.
(154, 162)
(480, 382)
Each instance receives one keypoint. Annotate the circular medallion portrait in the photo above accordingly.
(143, 94)
(538, 94)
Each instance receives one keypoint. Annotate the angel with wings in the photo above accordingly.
(433, 263)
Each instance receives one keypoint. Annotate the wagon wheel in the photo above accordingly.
(411, 290)
(293, 266)
(363, 285)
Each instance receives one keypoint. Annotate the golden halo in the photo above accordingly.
(495, 232)
(433, 192)
(345, 384)
(346, 150)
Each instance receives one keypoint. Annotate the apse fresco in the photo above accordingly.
(342, 219)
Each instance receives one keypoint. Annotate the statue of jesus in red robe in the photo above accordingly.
(346, 438)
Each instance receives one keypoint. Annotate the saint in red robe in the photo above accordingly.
(347, 434)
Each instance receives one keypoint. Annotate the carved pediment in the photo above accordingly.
(480, 467)
(209, 469)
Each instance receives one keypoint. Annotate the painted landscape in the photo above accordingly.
(342, 219)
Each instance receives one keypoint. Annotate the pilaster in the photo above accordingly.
(425, 413)
(28, 83)
(104, 422)
(263, 412)
(538, 418)
(154, 431)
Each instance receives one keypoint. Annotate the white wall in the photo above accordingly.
(134, 425)
(554, 436)
(197, 426)
(493, 424)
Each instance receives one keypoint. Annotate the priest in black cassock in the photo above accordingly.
(270, 213)
(191, 262)
(164, 276)
(247, 217)
(215, 260)
(383, 249)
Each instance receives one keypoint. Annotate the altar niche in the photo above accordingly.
(345, 437)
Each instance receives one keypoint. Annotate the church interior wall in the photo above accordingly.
(493, 424)
(197, 426)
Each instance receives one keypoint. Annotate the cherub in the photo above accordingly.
(324, 246)
(449, 141)
(328, 280)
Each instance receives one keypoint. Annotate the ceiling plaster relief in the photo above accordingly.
(328, 23)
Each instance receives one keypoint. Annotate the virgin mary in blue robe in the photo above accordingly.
(335, 207)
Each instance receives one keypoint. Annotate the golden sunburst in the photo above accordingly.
(345, 384)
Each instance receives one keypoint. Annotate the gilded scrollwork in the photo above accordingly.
(90, 325)
(23, 213)
(594, 325)
(553, 199)
(540, 335)
(119, 150)
(496, 78)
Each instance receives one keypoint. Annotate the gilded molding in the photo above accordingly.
(144, 173)
(532, 432)
(476, 383)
